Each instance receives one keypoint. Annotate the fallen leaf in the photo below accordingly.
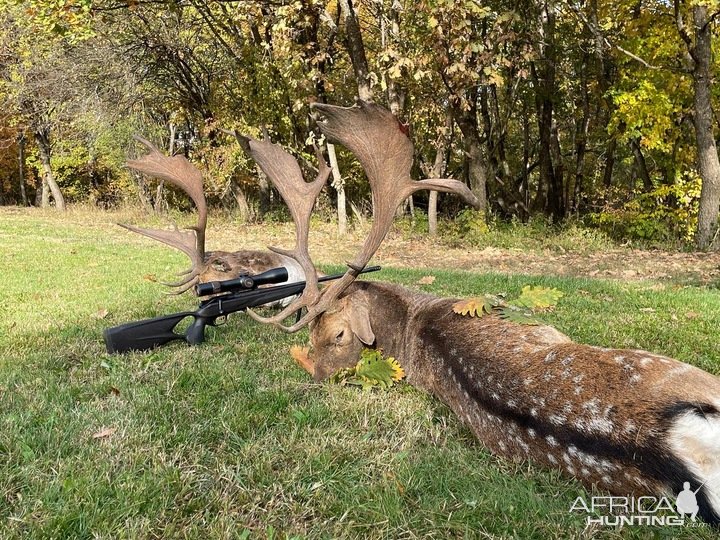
(691, 315)
(426, 280)
(104, 432)
(114, 391)
(150, 277)
(101, 314)
(474, 307)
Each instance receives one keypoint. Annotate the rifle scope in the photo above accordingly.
(244, 282)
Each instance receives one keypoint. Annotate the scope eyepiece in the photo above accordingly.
(244, 282)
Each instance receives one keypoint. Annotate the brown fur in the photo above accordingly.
(222, 265)
(604, 416)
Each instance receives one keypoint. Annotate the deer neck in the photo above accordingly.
(394, 312)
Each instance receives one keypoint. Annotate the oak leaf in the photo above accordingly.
(476, 307)
(538, 297)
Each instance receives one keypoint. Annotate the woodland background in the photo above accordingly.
(589, 111)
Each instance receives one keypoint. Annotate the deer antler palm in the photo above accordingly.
(377, 140)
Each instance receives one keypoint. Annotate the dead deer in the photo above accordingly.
(627, 421)
(205, 265)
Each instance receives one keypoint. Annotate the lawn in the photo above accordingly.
(232, 440)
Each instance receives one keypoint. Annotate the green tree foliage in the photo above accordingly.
(559, 108)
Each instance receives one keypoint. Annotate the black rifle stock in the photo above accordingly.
(151, 333)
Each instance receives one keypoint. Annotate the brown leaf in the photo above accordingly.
(101, 314)
(104, 432)
(692, 315)
(472, 306)
(114, 391)
(426, 280)
(150, 277)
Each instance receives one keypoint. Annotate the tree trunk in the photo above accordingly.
(338, 183)
(21, 167)
(467, 122)
(581, 136)
(42, 137)
(707, 156)
(356, 50)
(438, 171)
(609, 162)
(641, 165)
(432, 213)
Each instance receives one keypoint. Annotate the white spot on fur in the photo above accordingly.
(636, 378)
(629, 427)
(528, 381)
(592, 406)
(532, 433)
(601, 425)
(551, 356)
(552, 459)
(644, 362)
(512, 404)
(533, 412)
(552, 441)
(578, 390)
(557, 419)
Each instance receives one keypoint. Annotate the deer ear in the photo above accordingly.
(360, 323)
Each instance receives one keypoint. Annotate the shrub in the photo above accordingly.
(668, 212)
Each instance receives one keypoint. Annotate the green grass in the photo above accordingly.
(232, 440)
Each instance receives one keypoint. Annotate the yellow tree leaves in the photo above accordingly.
(521, 310)
(373, 370)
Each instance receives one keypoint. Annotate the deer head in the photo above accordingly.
(205, 266)
(380, 143)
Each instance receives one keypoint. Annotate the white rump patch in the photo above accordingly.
(696, 441)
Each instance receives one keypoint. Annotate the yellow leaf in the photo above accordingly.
(472, 306)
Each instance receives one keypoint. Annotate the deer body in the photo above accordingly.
(628, 421)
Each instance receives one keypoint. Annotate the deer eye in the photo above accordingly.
(339, 337)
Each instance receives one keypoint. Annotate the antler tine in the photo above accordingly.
(180, 172)
(380, 143)
(284, 172)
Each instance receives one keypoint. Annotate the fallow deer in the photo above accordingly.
(626, 421)
(205, 265)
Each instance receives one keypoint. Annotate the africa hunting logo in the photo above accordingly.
(618, 511)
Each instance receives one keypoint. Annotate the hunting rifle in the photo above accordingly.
(232, 295)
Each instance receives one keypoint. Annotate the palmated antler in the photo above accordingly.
(180, 172)
(284, 172)
(385, 152)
